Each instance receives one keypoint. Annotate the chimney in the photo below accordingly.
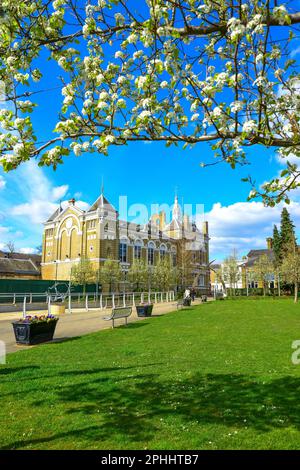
(269, 243)
(71, 202)
(205, 228)
(186, 222)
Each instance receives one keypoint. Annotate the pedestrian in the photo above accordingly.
(187, 293)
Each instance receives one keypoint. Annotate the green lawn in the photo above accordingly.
(216, 376)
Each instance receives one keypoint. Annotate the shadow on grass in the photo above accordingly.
(132, 407)
(13, 370)
(63, 339)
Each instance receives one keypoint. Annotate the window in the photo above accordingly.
(201, 280)
(253, 285)
(106, 228)
(174, 258)
(151, 254)
(49, 232)
(92, 223)
(162, 251)
(91, 248)
(123, 252)
(137, 251)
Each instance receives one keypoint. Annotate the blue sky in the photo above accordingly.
(148, 174)
(145, 173)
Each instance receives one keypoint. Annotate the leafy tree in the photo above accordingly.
(185, 267)
(263, 268)
(219, 278)
(231, 272)
(138, 274)
(111, 274)
(164, 276)
(291, 269)
(175, 71)
(83, 273)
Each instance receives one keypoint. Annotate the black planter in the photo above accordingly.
(187, 302)
(144, 310)
(34, 333)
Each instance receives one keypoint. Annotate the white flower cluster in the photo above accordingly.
(249, 126)
(280, 13)
(236, 28)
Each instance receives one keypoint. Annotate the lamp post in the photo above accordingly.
(55, 261)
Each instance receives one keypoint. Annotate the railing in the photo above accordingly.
(32, 301)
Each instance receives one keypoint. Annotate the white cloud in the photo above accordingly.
(59, 192)
(30, 199)
(27, 251)
(41, 196)
(82, 205)
(292, 158)
(36, 211)
(244, 226)
(295, 52)
(2, 182)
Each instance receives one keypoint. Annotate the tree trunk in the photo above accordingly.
(224, 287)
(264, 287)
(296, 293)
(278, 281)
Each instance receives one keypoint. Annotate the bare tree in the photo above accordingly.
(10, 246)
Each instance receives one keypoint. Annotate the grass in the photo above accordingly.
(216, 376)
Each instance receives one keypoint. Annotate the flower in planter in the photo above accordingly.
(37, 319)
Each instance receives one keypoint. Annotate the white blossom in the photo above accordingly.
(102, 104)
(164, 84)
(249, 126)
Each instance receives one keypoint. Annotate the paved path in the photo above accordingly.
(78, 323)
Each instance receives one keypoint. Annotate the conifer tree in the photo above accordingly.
(287, 232)
(277, 246)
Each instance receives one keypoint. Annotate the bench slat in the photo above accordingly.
(119, 312)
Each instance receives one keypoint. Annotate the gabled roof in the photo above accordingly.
(34, 257)
(175, 224)
(55, 214)
(18, 266)
(102, 202)
(59, 211)
(261, 252)
(254, 256)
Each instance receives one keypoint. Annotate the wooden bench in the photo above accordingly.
(119, 312)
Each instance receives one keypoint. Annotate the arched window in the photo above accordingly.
(123, 251)
(138, 249)
(174, 256)
(151, 247)
(162, 251)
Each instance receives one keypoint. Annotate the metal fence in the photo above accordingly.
(33, 302)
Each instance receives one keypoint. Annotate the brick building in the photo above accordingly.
(98, 234)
